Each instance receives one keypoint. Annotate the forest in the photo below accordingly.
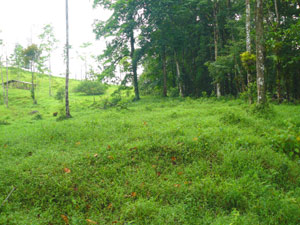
(190, 115)
(196, 48)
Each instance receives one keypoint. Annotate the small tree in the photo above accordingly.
(48, 45)
(31, 58)
(2, 79)
(68, 115)
(16, 58)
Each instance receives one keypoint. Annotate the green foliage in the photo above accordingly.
(248, 61)
(4, 123)
(286, 141)
(31, 55)
(60, 94)
(90, 88)
(250, 93)
(173, 92)
(37, 117)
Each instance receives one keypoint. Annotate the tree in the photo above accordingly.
(216, 41)
(84, 56)
(68, 115)
(6, 96)
(48, 45)
(122, 27)
(16, 58)
(2, 79)
(248, 36)
(31, 58)
(260, 66)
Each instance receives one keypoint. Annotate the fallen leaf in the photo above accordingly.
(173, 158)
(145, 123)
(115, 222)
(154, 166)
(96, 155)
(158, 174)
(180, 173)
(109, 206)
(134, 148)
(67, 170)
(65, 218)
(91, 221)
(133, 194)
(195, 139)
(110, 157)
(298, 139)
(177, 185)
(5, 146)
(78, 143)
(108, 147)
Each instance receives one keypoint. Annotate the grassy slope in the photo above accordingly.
(161, 161)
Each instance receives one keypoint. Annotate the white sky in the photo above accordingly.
(22, 20)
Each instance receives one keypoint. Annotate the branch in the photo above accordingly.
(8, 196)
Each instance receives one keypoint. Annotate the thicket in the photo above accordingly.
(90, 88)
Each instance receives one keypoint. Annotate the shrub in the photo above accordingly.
(60, 94)
(286, 141)
(173, 92)
(37, 117)
(3, 122)
(90, 88)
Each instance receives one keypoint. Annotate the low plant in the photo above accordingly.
(90, 88)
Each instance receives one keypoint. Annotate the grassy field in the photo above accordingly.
(156, 161)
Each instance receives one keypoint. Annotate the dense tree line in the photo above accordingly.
(194, 47)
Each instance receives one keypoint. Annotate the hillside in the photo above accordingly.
(156, 161)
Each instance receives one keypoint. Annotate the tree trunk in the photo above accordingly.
(68, 115)
(4, 102)
(278, 81)
(18, 68)
(216, 40)
(134, 67)
(180, 86)
(165, 91)
(278, 66)
(6, 96)
(260, 67)
(248, 37)
(32, 84)
(50, 94)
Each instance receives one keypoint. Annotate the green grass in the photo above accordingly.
(158, 161)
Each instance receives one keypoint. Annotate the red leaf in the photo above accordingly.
(65, 218)
(91, 221)
(67, 170)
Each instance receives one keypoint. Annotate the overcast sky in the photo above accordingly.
(22, 20)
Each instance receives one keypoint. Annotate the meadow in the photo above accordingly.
(155, 161)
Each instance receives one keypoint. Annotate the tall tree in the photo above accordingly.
(248, 35)
(68, 115)
(48, 45)
(16, 59)
(2, 78)
(31, 58)
(216, 41)
(6, 96)
(122, 27)
(260, 66)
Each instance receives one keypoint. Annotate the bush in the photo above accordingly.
(90, 88)
(286, 141)
(60, 94)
